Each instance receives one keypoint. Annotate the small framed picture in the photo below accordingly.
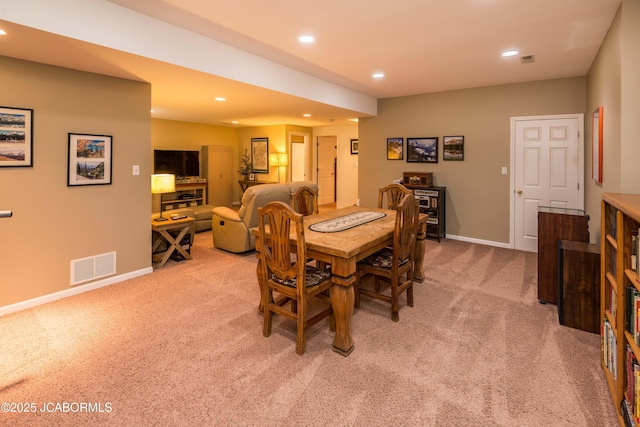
(434, 202)
(395, 148)
(453, 148)
(16, 137)
(354, 146)
(422, 150)
(252, 177)
(89, 160)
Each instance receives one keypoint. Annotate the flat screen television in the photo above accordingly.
(181, 163)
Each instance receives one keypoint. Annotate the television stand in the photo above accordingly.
(185, 196)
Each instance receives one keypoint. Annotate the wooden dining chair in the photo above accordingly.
(394, 264)
(305, 201)
(394, 193)
(294, 280)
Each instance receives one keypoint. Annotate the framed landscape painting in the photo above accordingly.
(395, 148)
(422, 150)
(16, 137)
(260, 155)
(453, 148)
(89, 161)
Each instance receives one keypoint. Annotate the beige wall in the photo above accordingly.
(603, 88)
(630, 97)
(613, 83)
(53, 224)
(477, 193)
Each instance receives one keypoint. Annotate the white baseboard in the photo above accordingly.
(479, 241)
(73, 291)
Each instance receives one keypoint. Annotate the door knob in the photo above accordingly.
(519, 192)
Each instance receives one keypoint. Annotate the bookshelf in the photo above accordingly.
(620, 301)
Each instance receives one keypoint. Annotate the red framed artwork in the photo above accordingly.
(596, 145)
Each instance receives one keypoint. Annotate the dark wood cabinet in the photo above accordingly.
(579, 285)
(556, 224)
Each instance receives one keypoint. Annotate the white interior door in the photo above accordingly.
(547, 166)
(298, 160)
(327, 151)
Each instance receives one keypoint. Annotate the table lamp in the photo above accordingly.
(278, 159)
(160, 184)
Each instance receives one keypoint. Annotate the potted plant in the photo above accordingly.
(245, 170)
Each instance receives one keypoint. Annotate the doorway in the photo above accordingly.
(327, 157)
(298, 148)
(547, 165)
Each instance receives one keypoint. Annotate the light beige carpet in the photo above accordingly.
(184, 346)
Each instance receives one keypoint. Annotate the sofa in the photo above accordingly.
(232, 230)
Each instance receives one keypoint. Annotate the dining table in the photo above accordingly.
(341, 242)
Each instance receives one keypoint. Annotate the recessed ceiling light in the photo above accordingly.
(220, 98)
(3, 32)
(306, 115)
(306, 39)
(353, 120)
(377, 75)
(509, 53)
(235, 122)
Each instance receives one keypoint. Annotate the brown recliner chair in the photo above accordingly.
(232, 230)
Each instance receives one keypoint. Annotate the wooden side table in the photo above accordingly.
(245, 183)
(162, 232)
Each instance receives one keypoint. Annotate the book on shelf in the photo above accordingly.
(627, 417)
(612, 221)
(637, 250)
(631, 390)
(609, 348)
(633, 253)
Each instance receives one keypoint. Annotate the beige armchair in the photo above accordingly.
(232, 230)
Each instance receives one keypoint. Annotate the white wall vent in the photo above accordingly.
(94, 267)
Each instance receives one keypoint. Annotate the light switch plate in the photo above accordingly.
(135, 170)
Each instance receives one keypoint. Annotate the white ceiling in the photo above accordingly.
(422, 46)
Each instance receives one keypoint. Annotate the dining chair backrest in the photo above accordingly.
(406, 228)
(276, 246)
(394, 193)
(305, 201)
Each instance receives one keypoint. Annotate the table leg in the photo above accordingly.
(342, 299)
(418, 254)
(173, 245)
(261, 280)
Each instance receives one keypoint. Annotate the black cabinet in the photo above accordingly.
(432, 202)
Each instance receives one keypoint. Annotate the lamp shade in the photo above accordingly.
(283, 159)
(163, 183)
(278, 159)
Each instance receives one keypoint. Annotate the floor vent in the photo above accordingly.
(90, 268)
